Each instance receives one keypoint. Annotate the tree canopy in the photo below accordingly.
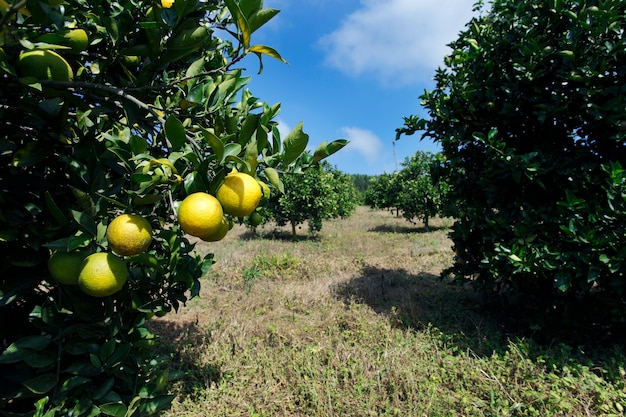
(110, 108)
(529, 111)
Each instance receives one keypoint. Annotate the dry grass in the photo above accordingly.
(356, 322)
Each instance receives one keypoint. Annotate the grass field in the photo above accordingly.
(356, 322)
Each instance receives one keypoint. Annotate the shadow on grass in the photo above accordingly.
(278, 235)
(386, 228)
(183, 342)
(466, 321)
(422, 301)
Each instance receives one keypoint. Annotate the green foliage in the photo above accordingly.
(384, 192)
(530, 114)
(313, 196)
(418, 190)
(156, 110)
(422, 189)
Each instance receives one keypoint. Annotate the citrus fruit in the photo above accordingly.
(129, 234)
(200, 214)
(220, 233)
(65, 266)
(255, 219)
(76, 39)
(102, 274)
(239, 194)
(166, 4)
(44, 65)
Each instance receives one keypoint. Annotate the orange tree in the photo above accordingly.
(111, 108)
(422, 187)
(313, 196)
(529, 111)
(418, 190)
(383, 192)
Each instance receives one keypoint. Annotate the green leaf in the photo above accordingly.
(156, 404)
(232, 149)
(266, 50)
(336, 145)
(12, 354)
(138, 145)
(114, 409)
(216, 144)
(261, 17)
(250, 7)
(38, 358)
(294, 144)
(86, 222)
(53, 208)
(149, 261)
(240, 21)
(272, 175)
(251, 155)
(321, 152)
(175, 132)
(104, 389)
(42, 383)
(248, 127)
(5, 65)
(73, 382)
(107, 349)
(196, 67)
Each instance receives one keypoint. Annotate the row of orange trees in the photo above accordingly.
(417, 192)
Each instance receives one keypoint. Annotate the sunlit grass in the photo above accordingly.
(356, 322)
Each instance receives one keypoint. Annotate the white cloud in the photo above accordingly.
(364, 142)
(395, 40)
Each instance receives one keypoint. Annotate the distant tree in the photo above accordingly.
(383, 192)
(529, 111)
(422, 191)
(417, 191)
(361, 181)
(313, 196)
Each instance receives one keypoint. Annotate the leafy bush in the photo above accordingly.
(383, 192)
(529, 111)
(313, 196)
(418, 190)
(139, 108)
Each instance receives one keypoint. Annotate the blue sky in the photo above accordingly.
(356, 67)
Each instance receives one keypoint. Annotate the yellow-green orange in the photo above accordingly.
(240, 194)
(44, 65)
(76, 39)
(220, 233)
(200, 214)
(129, 234)
(102, 274)
(64, 266)
(255, 219)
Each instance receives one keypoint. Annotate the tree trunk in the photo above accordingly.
(293, 230)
